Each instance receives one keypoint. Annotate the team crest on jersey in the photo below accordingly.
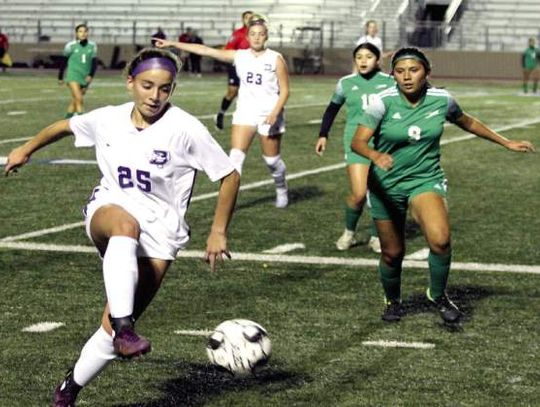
(160, 158)
(268, 67)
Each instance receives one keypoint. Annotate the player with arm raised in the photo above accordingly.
(263, 92)
(148, 152)
(238, 40)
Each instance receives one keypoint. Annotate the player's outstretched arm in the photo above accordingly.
(216, 244)
(476, 127)
(20, 155)
(225, 55)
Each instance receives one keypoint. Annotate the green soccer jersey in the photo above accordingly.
(355, 92)
(530, 58)
(79, 62)
(410, 134)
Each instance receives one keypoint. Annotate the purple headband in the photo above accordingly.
(155, 63)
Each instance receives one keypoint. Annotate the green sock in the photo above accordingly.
(391, 281)
(352, 215)
(439, 268)
(373, 229)
(68, 115)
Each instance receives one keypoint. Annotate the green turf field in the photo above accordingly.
(319, 305)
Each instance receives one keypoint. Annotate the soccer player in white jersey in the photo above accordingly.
(264, 90)
(148, 152)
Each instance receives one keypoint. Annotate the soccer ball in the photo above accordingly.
(239, 346)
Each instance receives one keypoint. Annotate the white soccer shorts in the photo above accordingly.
(155, 240)
(256, 119)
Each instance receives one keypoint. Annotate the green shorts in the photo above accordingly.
(393, 203)
(76, 77)
(350, 156)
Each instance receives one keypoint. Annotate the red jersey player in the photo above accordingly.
(238, 40)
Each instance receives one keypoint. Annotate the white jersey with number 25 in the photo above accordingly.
(151, 171)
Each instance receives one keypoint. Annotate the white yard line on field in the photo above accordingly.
(43, 327)
(14, 140)
(421, 254)
(290, 259)
(398, 344)
(285, 248)
(42, 232)
(193, 332)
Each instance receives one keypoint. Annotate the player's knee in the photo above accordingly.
(440, 246)
(237, 157)
(439, 241)
(126, 227)
(231, 94)
(392, 255)
(357, 200)
(274, 163)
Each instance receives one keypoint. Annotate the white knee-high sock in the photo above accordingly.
(237, 157)
(120, 274)
(96, 354)
(277, 169)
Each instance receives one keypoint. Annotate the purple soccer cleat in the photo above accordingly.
(128, 344)
(66, 393)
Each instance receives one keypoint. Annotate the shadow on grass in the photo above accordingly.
(201, 383)
(464, 296)
(296, 195)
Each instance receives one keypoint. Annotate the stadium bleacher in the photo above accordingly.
(122, 21)
(497, 25)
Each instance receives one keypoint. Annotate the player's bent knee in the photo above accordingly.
(392, 256)
(440, 246)
(237, 157)
(357, 200)
(126, 227)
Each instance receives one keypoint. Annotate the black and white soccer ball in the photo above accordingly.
(239, 346)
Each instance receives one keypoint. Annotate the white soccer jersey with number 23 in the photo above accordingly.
(259, 86)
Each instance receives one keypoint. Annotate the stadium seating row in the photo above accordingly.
(485, 24)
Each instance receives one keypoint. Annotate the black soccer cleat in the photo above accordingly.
(218, 121)
(393, 311)
(66, 393)
(448, 311)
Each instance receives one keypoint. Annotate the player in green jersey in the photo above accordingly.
(529, 62)
(406, 124)
(355, 91)
(81, 61)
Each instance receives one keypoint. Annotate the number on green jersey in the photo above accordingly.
(414, 133)
(367, 99)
